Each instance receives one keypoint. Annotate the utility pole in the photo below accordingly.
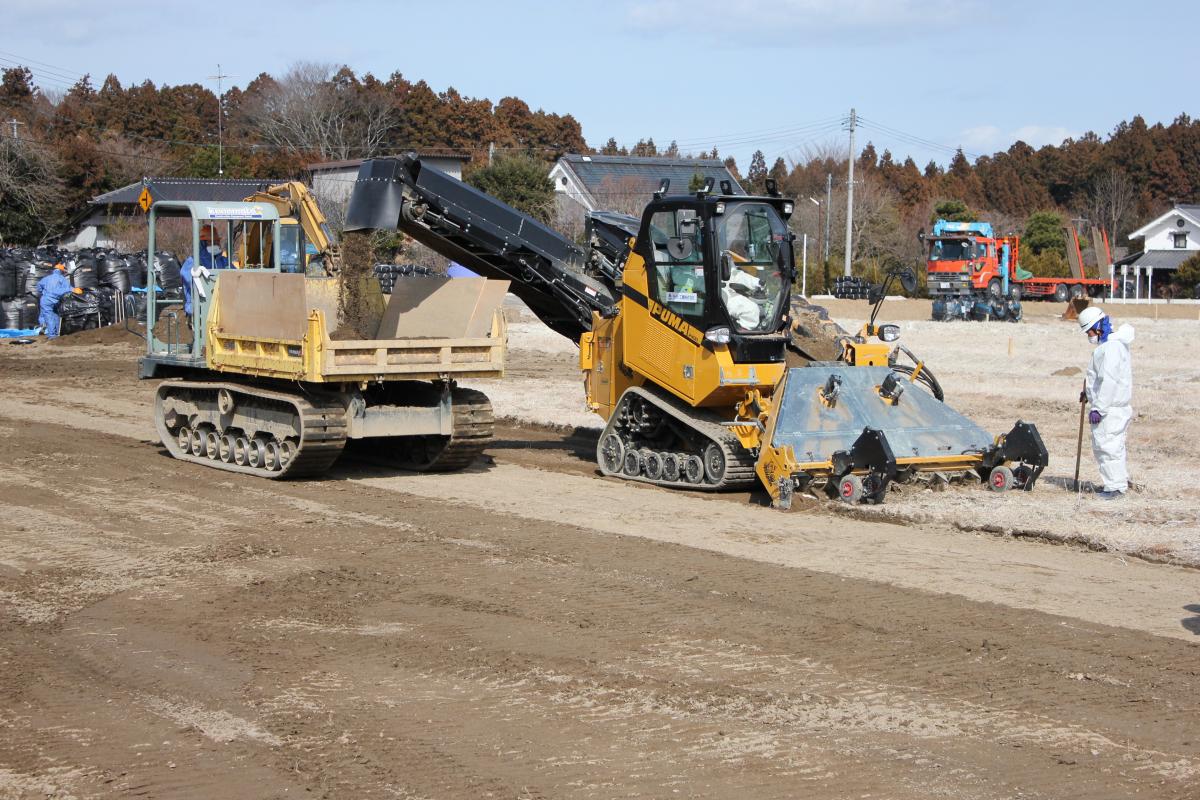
(850, 195)
(14, 122)
(491, 152)
(219, 77)
(828, 208)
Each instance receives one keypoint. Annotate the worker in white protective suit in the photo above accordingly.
(1109, 391)
(737, 292)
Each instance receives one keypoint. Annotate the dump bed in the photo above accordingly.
(283, 326)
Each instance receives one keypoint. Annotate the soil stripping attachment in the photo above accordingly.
(259, 382)
(685, 324)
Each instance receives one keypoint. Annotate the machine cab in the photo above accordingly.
(220, 236)
(723, 267)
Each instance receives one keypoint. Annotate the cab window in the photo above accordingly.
(677, 272)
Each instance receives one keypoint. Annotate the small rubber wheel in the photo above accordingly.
(1001, 479)
(1061, 294)
(271, 456)
(184, 439)
(632, 464)
(287, 449)
(212, 445)
(241, 446)
(256, 452)
(670, 467)
(652, 464)
(693, 469)
(610, 452)
(714, 463)
(226, 452)
(850, 489)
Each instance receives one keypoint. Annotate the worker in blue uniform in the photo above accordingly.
(208, 260)
(50, 290)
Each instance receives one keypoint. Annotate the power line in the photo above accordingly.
(913, 139)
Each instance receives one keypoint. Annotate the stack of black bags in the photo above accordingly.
(389, 273)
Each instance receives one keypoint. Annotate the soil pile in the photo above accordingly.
(815, 337)
(360, 298)
(110, 335)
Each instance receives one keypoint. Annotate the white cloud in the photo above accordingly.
(1038, 135)
(985, 139)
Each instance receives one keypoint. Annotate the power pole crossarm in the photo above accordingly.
(850, 196)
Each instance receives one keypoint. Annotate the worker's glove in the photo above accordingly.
(1094, 417)
(1083, 396)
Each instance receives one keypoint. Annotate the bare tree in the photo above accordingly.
(323, 109)
(29, 180)
(1111, 200)
(626, 195)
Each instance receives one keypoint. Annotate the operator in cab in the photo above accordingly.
(210, 258)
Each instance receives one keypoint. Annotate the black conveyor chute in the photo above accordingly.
(481, 233)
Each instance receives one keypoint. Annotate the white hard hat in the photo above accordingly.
(1089, 317)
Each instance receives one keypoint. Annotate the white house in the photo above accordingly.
(1167, 242)
(332, 181)
(626, 183)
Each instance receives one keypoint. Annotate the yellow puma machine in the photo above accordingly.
(682, 320)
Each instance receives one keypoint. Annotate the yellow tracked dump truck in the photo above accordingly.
(683, 320)
(257, 378)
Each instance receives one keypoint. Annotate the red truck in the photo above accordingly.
(967, 259)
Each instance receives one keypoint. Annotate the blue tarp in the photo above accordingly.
(17, 333)
(456, 270)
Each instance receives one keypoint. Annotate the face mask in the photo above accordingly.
(1093, 338)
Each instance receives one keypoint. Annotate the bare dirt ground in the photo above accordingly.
(528, 629)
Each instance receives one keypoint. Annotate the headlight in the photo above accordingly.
(717, 335)
(889, 333)
(719, 209)
(787, 209)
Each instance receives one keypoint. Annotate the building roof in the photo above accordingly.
(1158, 259)
(1189, 211)
(182, 189)
(354, 163)
(601, 175)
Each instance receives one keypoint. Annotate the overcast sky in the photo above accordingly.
(775, 75)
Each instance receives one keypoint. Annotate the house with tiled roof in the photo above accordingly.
(1167, 241)
(626, 183)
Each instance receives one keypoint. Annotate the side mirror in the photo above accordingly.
(875, 293)
(679, 247)
(908, 280)
(726, 266)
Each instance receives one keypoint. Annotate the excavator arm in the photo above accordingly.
(293, 200)
(546, 270)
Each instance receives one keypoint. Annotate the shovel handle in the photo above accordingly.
(1079, 444)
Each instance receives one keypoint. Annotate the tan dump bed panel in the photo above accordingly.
(262, 305)
(430, 327)
(449, 308)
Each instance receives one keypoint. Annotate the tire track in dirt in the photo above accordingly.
(350, 638)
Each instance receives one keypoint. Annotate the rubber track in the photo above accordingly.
(739, 462)
(473, 424)
(322, 428)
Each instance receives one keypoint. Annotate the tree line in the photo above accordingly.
(74, 145)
